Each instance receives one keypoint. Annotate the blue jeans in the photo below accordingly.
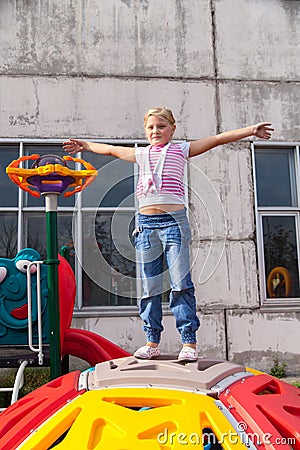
(159, 238)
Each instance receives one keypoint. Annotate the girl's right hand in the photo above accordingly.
(75, 145)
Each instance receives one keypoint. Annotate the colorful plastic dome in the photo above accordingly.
(129, 404)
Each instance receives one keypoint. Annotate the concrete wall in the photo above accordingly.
(93, 67)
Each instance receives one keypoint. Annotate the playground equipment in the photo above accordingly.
(131, 404)
(31, 289)
(50, 176)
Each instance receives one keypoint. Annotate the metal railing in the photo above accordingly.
(39, 348)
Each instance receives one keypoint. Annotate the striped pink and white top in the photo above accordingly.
(172, 188)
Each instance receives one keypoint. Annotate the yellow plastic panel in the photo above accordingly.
(112, 419)
(254, 371)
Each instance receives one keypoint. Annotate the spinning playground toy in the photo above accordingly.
(50, 174)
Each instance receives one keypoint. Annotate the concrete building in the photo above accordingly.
(91, 69)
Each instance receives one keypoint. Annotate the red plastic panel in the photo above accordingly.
(268, 408)
(67, 294)
(29, 412)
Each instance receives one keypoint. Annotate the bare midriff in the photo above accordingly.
(160, 209)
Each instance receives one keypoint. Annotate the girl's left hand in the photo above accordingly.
(263, 130)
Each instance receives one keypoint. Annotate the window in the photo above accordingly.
(90, 224)
(278, 222)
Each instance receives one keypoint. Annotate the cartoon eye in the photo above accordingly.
(22, 265)
(3, 272)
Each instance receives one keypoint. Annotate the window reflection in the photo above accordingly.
(280, 251)
(114, 185)
(9, 190)
(35, 226)
(108, 259)
(8, 235)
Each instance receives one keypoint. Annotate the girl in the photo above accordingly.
(163, 231)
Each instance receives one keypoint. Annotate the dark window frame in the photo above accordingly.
(263, 211)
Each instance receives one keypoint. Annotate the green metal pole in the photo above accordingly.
(53, 292)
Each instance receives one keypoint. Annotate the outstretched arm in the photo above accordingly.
(262, 130)
(73, 146)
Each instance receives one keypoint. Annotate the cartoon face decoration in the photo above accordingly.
(13, 296)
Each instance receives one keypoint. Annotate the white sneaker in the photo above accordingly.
(147, 352)
(188, 354)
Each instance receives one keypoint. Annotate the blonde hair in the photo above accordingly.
(159, 111)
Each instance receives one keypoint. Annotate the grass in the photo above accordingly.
(33, 378)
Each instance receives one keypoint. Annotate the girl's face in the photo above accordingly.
(159, 131)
